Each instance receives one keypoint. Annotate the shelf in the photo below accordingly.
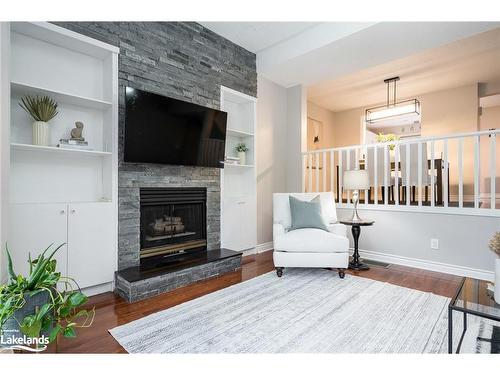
(238, 133)
(59, 96)
(56, 150)
(238, 165)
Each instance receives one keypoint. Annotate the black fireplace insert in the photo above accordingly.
(173, 222)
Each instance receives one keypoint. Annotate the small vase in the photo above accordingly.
(497, 281)
(243, 157)
(41, 133)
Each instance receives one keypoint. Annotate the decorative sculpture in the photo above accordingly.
(76, 133)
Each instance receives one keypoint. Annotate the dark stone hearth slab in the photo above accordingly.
(137, 283)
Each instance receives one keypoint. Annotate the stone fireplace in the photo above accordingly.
(169, 229)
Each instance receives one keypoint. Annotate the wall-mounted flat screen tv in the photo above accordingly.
(163, 130)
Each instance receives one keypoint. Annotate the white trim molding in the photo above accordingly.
(261, 248)
(428, 265)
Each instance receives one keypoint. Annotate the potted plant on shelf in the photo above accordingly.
(43, 305)
(242, 148)
(42, 110)
(495, 247)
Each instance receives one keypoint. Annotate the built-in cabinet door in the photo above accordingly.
(31, 228)
(230, 224)
(239, 224)
(91, 244)
(248, 223)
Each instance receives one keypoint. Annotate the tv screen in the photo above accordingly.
(164, 130)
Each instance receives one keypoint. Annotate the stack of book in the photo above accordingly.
(74, 144)
(232, 160)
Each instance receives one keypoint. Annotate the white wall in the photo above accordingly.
(404, 238)
(296, 140)
(271, 153)
(4, 139)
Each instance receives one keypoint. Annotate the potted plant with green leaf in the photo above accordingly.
(242, 149)
(495, 247)
(42, 303)
(42, 110)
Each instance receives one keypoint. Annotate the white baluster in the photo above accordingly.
(432, 174)
(375, 175)
(476, 172)
(387, 167)
(317, 171)
(493, 149)
(445, 177)
(324, 171)
(419, 177)
(332, 168)
(460, 173)
(304, 172)
(396, 174)
(340, 182)
(407, 177)
(310, 171)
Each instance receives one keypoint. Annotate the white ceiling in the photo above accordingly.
(343, 64)
(256, 36)
(467, 61)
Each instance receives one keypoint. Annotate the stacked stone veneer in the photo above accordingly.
(185, 61)
(138, 290)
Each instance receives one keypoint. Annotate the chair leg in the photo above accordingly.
(426, 193)
(413, 192)
(279, 271)
(341, 272)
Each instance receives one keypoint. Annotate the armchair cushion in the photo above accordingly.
(311, 240)
(281, 207)
(338, 229)
(306, 214)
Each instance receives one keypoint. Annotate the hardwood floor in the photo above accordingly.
(112, 311)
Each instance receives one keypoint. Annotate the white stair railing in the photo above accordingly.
(448, 176)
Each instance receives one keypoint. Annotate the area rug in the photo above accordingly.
(305, 311)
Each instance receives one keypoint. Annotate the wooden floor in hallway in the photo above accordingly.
(112, 311)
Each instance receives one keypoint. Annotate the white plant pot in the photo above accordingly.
(243, 157)
(41, 133)
(497, 281)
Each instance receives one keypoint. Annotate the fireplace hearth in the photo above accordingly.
(172, 222)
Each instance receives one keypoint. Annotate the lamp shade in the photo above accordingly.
(356, 180)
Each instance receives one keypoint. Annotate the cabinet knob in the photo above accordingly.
(73, 211)
(62, 212)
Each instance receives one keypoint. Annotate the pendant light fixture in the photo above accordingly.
(393, 108)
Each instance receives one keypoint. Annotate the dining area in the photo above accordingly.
(400, 181)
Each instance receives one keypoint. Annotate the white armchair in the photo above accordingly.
(308, 247)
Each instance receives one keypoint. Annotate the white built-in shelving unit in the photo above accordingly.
(64, 195)
(239, 182)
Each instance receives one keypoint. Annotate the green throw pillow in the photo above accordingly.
(306, 214)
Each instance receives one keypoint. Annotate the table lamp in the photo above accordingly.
(356, 180)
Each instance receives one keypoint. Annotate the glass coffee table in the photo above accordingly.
(471, 298)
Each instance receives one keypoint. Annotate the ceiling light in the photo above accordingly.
(392, 109)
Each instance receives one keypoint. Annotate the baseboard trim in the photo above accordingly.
(261, 248)
(428, 265)
(98, 289)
